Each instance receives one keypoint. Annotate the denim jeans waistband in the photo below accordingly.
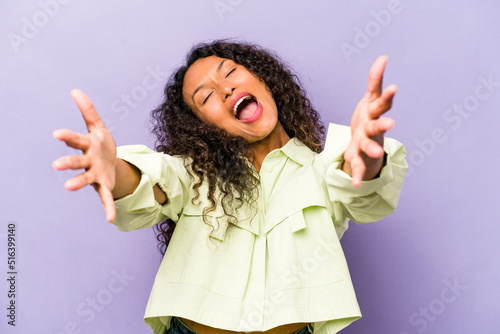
(178, 327)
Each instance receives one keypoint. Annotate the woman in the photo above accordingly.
(258, 208)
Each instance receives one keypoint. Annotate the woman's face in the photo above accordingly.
(227, 95)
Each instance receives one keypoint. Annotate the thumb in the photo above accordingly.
(108, 203)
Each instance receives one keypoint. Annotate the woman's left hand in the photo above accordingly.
(364, 155)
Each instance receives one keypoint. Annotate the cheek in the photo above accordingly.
(213, 113)
(269, 97)
(271, 106)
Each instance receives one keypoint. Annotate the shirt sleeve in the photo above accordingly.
(374, 199)
(140, 209)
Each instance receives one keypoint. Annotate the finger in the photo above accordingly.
(72, 162)
(357, 170)
(86, 106)
(375, 77)
(371, 148)
(378, 126)
(108, 202)
(72, 139)
(79, 181)
(383, 103)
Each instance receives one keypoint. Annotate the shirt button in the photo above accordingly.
(269, 169)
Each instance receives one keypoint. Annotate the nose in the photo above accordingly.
(227, 90)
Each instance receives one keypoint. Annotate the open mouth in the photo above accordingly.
(245, 107)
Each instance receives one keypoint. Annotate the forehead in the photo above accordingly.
(198, 71)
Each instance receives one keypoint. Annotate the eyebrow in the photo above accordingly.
(202, 85)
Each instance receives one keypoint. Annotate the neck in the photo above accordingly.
(276, 139)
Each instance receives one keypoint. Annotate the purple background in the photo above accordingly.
(444, 233)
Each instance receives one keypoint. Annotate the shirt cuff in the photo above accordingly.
(387, 186)
(142, 197)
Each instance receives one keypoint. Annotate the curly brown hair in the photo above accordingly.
(215, 156)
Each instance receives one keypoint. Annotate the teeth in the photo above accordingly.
(235, 109)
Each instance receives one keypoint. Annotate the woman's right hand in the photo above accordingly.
(98, 155)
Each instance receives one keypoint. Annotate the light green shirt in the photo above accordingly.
(281, 264)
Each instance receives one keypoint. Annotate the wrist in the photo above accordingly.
(127, 179)
(374, 168)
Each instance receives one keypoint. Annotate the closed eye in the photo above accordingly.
(206, 98)
(234, 69)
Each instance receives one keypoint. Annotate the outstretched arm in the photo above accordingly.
(364, 155)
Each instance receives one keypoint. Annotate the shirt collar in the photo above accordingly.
(298, 151)
(295, 149)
